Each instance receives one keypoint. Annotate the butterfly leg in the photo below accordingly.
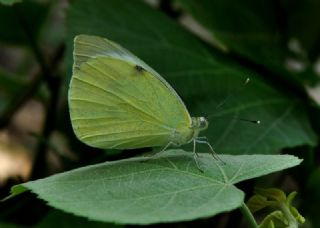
(202, 137)
(156, 154)
(196, 156)
(204, 140)
(169, 144)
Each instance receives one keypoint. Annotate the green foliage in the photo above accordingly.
(9, 2)
(162, 188)
(284, 214)
(261, 32)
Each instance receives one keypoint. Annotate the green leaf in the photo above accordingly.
(163, 188)
(275, 219)
(300, 14)
(300, 219)
(9, 2)
(285, 215)
(272, 34)
(273, 194)
(290, 197)
(257, 203)
(200, 76)
(20, 21)
(60, 219)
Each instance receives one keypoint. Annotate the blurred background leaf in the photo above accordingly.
(184, 61)
(282, 36)
(9, 2)
(21, 20)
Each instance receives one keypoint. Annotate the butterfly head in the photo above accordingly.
(199, 123)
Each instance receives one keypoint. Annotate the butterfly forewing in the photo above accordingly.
(117, 104)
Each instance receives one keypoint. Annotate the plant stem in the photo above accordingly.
(39, 166)
(248, 215)
(53, 83)
(292, 222)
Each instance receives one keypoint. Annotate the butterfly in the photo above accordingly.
(117, 101)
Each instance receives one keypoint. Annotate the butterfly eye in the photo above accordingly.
(203, 123)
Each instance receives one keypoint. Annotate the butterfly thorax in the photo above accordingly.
(184, 134)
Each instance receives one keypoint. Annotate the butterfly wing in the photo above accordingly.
(88, 46)
(116, 101)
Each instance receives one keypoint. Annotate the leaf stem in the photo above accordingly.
(248, 215)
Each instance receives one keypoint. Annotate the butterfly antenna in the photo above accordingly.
(250, 121)
(229, 96)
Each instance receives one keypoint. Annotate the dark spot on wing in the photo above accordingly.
(139, 68)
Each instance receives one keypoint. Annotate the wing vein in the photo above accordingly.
(122, 99)
(125, 138)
